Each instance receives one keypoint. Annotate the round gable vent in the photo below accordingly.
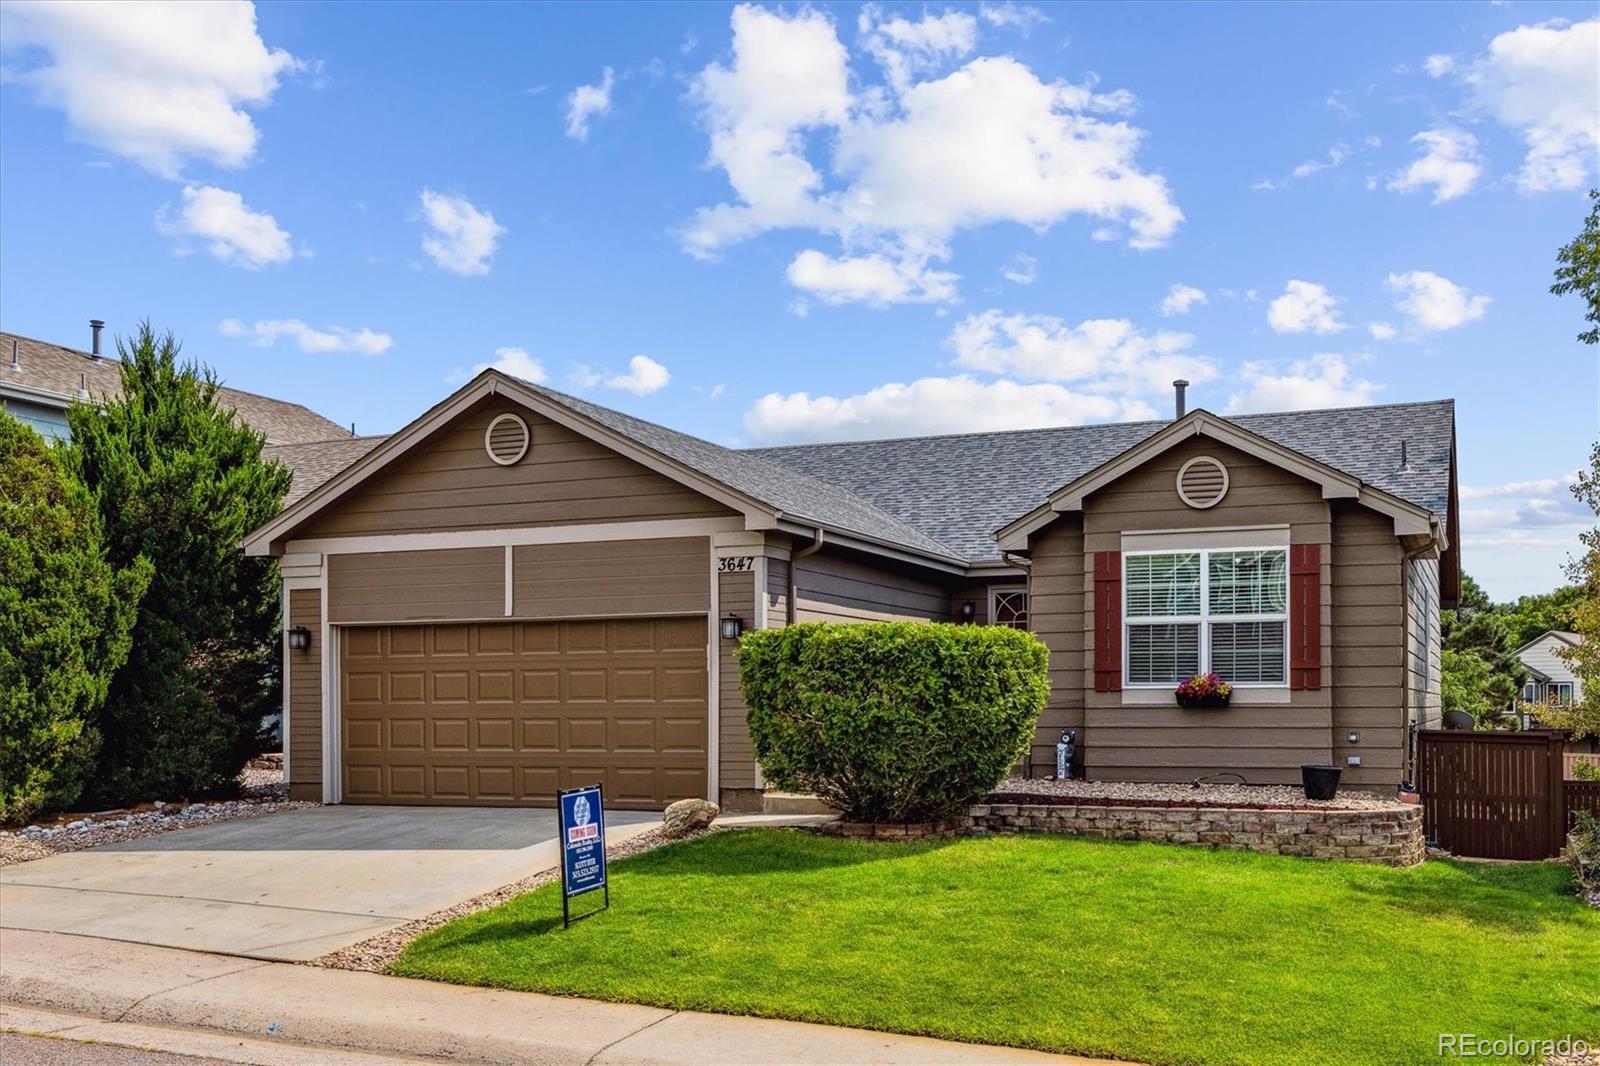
(506, 439)
(1202, 482)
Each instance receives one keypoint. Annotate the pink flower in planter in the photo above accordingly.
(1204, 686)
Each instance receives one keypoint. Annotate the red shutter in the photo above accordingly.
(1305, 616)
(1108, 621)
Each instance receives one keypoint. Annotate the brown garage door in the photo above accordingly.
(506, 713)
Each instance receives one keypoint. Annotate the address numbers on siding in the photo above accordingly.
(736, 564)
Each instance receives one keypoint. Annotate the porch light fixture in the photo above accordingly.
(968, 609)
(299, 638)
(732, 626)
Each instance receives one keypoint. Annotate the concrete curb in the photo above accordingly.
(142, 985)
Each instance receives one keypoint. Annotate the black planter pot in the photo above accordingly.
(1320, 781)
(1212, 703)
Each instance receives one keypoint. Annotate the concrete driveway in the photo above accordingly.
(288, 886)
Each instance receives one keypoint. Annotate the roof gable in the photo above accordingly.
(1409, 519)
(767, 495)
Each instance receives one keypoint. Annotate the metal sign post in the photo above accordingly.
(580, 816)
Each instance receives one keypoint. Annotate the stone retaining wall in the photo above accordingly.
(1391, 835)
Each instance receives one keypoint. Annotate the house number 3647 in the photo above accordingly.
(736, 564)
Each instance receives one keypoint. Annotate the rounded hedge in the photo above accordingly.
(892, 721)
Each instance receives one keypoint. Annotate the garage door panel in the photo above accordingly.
(541, 734)
(495, 686)
(495, 734)
(440, 714)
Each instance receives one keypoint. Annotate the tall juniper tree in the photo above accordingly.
(178, 479)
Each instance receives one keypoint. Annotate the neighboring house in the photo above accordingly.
(1549, 676)
(1550, 679)
(39, 381)
(522, 590)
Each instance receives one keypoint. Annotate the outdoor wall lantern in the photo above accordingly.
(968, 609)
(732, 626)
(299, 638)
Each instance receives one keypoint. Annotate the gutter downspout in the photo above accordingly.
(794, 559)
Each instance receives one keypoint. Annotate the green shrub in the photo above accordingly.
(1583, 852)
(892, 721)
(65, 616)
(178, 479)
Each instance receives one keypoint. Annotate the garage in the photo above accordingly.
(507, 713)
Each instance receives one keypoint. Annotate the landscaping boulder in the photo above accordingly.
(688, 816)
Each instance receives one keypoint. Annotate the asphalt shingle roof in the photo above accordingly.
(946, 495)
(58, 372)
(315, 462)
(961, 488)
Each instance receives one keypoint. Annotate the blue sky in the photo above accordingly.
(768, 224)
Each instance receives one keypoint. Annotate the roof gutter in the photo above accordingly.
(813, 548)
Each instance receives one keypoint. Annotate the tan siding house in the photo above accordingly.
(522, 591)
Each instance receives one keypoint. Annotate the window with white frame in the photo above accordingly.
(1190, 612)
(1009, 607)
(1559, 691)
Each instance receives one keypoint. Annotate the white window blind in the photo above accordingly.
(1225, 611)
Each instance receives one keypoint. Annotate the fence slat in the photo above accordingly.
(1496, 795)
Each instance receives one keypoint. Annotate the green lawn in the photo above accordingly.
(1141, 951)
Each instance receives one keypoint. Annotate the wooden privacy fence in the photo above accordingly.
(1494, 795)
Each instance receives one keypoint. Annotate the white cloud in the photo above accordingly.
(460, 237)
(588, 102)
(1381, 331)
(904, 48)
(1542, 81)
(871, 279)
(1545, 487)
(644, 376)
(911, 163)
(1439, 64)
(1180, 298)
(929, 405)
(510, 360)
(1337, 155)
(1022, 270)
(155, 84)
(1321, 381)
(230, 230)
(264, 333)
(1304, 306)
(1449, 162)
(1012, 15)
(1433, 302)
(1106, 355)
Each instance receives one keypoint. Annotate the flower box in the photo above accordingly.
(1204, 691)
(1213, 701)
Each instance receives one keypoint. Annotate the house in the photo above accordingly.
(1551, 679)
(522, 590)
(1549, 676)
(39, 381)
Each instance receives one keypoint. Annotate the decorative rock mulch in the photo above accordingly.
(1151, 794)
(262, 791)
(374, 954)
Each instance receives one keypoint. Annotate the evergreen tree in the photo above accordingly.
(65, 619)
(178, 479)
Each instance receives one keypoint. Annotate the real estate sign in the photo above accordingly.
(581, 817)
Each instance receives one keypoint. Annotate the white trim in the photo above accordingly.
(509, 583)
(1200, 539)
(1203, 620)
(283, 639)
(714, 689)
(655, 529)
(488, 433)
(301, 564)
(1184, 469)
(994, 592)
(760, 622)
(330, 708)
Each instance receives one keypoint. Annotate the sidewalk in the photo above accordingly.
(137, 984)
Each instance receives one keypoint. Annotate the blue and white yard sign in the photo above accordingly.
(581, 815)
